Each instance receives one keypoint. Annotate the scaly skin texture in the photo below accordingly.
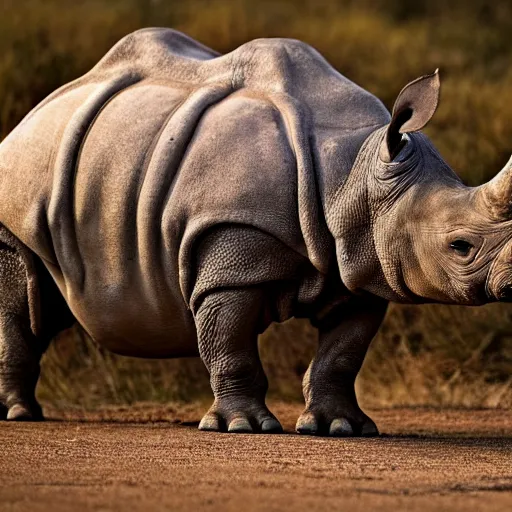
(19, 355)
(175, 202)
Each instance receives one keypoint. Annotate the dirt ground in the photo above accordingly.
(147, 458)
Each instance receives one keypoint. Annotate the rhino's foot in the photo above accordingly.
(22, 412)
(350, 422)
(238, 416)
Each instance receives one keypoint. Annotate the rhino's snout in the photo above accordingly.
(496, 197)
(501, 288)
(500, 277)
(505, 294)
(501, 284)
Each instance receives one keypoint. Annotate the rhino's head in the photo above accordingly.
(415, 232)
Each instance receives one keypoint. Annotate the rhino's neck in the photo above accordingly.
(346, 199)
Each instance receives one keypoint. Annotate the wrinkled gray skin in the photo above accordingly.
(175, 202)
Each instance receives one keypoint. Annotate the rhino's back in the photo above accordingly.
(89, 180)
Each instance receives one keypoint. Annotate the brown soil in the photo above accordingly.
(147, 458)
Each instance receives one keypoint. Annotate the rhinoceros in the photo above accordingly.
(175, 202)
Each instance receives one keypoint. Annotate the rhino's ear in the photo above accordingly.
(413, 109)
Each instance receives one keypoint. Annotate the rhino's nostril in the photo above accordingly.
(506, 293)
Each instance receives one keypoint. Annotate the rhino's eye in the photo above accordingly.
(461, 247)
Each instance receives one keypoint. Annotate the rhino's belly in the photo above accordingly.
(129, 319)
(138, 337)
(145, 335)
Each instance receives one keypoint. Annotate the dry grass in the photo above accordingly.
(442, 356)
(427, 355)
(423, 356)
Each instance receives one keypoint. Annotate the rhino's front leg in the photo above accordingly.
(228, 323)
(331, 403)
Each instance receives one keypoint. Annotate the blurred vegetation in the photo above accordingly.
(423, 355)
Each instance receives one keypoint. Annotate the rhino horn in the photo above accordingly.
(498, 192)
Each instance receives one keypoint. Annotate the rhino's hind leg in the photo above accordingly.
(331, 403)
(19, 351)
(228, 323)
(19, 370)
